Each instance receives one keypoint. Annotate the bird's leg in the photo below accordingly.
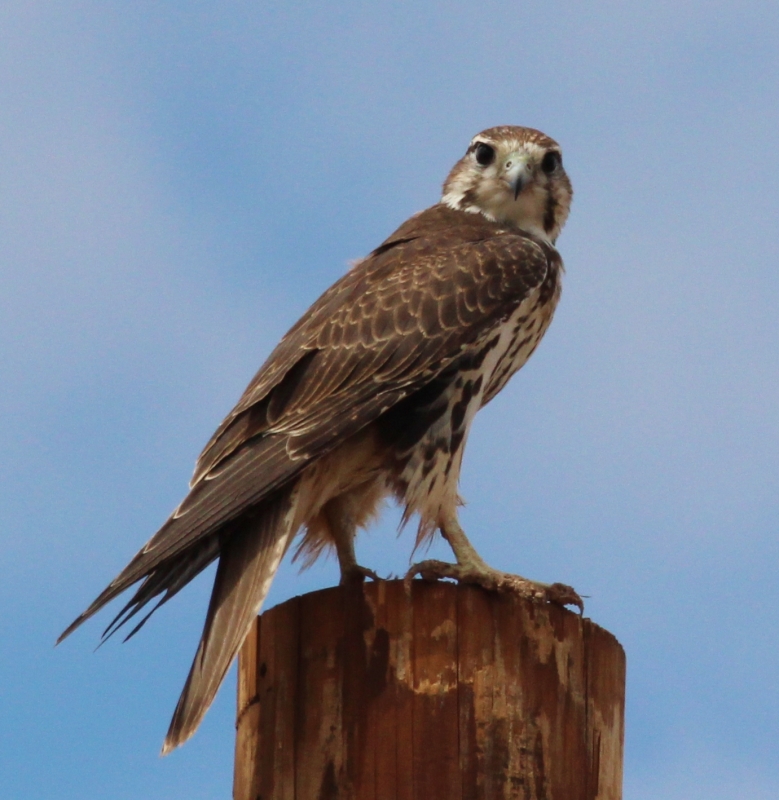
(344, 529)
(471, 568)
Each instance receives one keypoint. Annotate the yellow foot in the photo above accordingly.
(357, 574)
(494, 580)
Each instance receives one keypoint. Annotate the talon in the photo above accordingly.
(431, 570)
(357, 574)
(562, 595)
(495, 581)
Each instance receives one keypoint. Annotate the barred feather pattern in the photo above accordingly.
(371, 393)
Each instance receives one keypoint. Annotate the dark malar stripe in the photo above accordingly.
(550, 212)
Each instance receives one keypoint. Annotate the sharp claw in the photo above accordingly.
(563, 595)
(496, 581)
(431, 571)
(358, 574)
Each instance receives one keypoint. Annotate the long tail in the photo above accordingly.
(248, 560)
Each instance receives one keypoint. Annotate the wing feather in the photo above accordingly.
(386, 326)
(397, 319)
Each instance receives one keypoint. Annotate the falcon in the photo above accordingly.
(370, 395)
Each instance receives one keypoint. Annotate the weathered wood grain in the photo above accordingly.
(372, 693)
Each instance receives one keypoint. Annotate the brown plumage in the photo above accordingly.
(370, 394)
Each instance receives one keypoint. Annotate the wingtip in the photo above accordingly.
(73, 625)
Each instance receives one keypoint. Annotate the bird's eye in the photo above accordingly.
(551, 161)
(485, 154)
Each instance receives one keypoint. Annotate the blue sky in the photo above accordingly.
(178, 182)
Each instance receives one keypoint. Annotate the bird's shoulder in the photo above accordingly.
(430, 286)
(440, 252)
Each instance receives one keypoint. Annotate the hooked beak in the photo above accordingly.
(517, 172)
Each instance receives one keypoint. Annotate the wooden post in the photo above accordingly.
(369, 693)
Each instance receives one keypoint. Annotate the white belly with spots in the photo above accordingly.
(519, 336)
(432, 473)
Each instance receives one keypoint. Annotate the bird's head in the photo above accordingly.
(514, 176)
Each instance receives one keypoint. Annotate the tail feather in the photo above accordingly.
(248, 561)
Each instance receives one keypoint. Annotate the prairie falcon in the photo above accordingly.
(370, 394)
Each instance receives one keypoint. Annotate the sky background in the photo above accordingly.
(179, 181)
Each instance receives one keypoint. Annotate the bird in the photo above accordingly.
(369, 396)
